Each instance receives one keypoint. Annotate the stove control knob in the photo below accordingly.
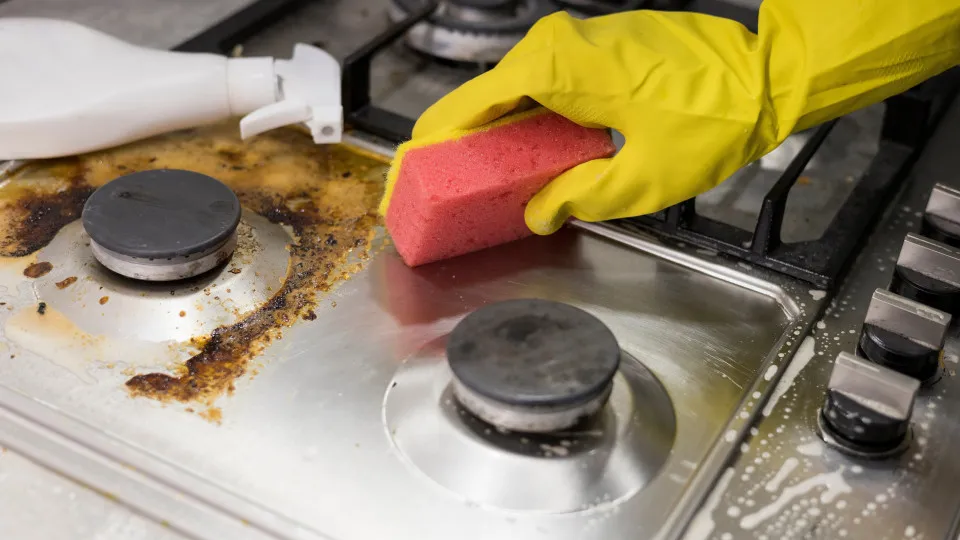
(532, 365)
(904, 335)
(928, 272)
(867, 409)
(941, 219)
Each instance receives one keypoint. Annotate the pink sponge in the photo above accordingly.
(464, 194)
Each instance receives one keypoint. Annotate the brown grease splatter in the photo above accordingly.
(33, 211)
(67, 282)
(37, 269)
(104, 300)
(327, 195)
(183, 313)
(212, 414)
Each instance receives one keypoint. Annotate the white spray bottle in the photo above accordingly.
(68, 89)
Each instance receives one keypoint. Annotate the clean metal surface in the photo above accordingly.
(38, 504)
(915, 321)
(932, 259)
(594, 467)
(785, 483)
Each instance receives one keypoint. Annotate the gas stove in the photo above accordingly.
(739, 366)
(482, 31)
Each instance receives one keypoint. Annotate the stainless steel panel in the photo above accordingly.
(303, 449)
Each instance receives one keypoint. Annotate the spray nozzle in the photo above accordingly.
(306, 90)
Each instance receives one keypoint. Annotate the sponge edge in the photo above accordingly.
(467, 191)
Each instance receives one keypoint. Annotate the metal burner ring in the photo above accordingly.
(483, 17)
(467, 33)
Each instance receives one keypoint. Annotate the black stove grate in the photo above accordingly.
(909, 120)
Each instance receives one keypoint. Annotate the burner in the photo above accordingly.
(593, 8)
(532, 365)
(475, 31)
(162, 225)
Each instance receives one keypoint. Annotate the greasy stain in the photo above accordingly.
(37, 269)
(34, 210)
(104, 300)
(327, 195)
(66, 282)
(212, 414)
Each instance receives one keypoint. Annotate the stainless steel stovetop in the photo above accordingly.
(344, 427)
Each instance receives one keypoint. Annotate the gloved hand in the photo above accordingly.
(698, 97)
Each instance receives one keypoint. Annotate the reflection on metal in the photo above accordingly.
(916, 322)
(161, 312)
(937, 261)
(591, 466)
(311, 422)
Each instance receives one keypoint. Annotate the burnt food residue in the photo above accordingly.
(326, 194)
(66, 282)
(37, 269)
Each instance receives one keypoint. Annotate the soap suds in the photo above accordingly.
(800, 360)
(771, 371)
(833, 482)
(703, 524)
(814, 448)
(788, 467)
(818, 295)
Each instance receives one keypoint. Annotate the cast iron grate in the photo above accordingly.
(909, 120)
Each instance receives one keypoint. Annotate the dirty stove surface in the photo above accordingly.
(301, 388)
(307, 375)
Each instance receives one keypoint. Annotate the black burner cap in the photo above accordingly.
(533, 353)
(161, 214)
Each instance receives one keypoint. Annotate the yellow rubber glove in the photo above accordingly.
(697, 97)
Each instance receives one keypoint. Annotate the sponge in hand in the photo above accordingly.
(468, 191)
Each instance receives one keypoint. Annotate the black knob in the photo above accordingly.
(941, 219)
(532, 365)
(867, 408)
(941, 230)
(903, 335)
(928, 272)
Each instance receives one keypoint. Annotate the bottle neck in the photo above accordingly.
(251, 84)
